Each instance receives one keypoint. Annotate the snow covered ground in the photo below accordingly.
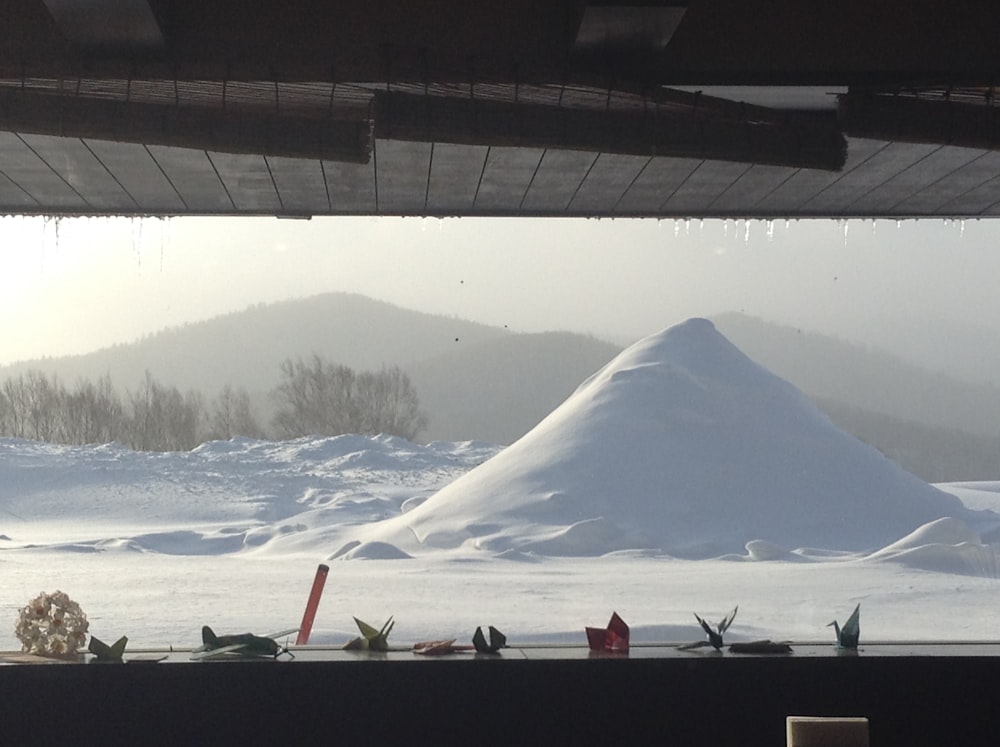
(681, 478)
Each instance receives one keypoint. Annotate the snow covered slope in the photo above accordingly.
(682, 445)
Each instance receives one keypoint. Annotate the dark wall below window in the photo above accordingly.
(684, 700)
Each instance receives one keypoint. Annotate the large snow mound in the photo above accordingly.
(682, 445)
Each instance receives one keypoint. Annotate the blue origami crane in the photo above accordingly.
(847, 636)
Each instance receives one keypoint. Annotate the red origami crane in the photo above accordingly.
(613, 638)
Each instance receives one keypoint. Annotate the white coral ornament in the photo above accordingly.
(51, 625)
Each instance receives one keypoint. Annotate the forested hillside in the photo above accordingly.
(866, 378)
(245, 348)
(498, 390)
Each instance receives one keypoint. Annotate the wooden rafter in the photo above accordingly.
(908, 118)
(204, 128)
(651, 132)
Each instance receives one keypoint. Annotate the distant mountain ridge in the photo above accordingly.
(245, 348)
(486, 383)
(475, 381)
(499, 389)
(865, 378)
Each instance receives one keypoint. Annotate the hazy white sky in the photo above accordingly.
(78, 284)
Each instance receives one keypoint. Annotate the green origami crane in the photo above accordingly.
(105, 653)
(847, 636)
(372, 639)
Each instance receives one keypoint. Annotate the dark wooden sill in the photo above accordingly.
(913, 694)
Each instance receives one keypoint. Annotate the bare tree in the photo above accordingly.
(158, 417)
(314, 397)
(5, 414)
(92, 413)
(43, 400)
(321, 398)
(388, 403)
(32, 406)
(231, 415)
(16, 407)
(161, 418)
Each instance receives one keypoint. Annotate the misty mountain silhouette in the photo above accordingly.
(497, 390)
(871, 379)
(245, 348)
(486, 383)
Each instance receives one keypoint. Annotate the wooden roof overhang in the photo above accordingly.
(699, 109)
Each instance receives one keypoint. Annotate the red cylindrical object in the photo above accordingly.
(310, 614)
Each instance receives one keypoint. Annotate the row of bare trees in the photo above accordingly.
(318, 397)
(312, 398)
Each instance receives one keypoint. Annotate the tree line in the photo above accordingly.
(312, 397)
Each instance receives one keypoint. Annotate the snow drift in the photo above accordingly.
(683, 445)
(944, 546)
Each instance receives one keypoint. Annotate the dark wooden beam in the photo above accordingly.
(652, 132)
(724, 42)
(909, 119)
(204, 128)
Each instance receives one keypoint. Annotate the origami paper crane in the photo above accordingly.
(371, 639)
(714, 636)
(103, 652)
(497, 641)
(847, 636)
(613, 638)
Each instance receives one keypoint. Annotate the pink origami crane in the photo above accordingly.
(613, 638)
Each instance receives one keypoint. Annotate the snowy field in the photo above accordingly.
(681, 478)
